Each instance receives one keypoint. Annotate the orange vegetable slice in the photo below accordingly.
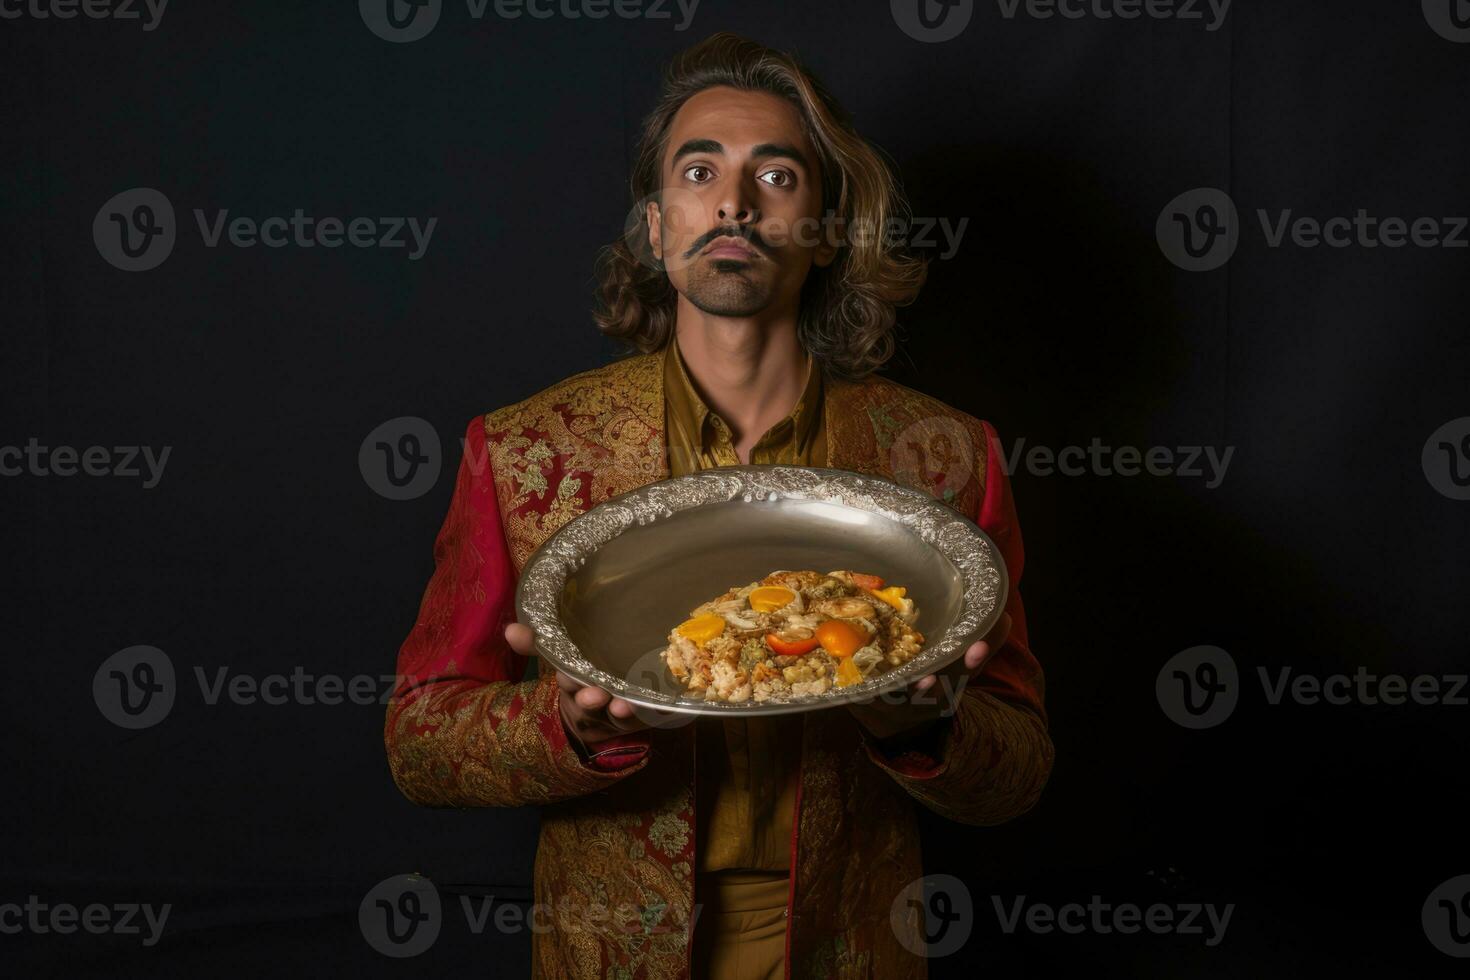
(702, 629)
(793, 644)
(848, 673)
(769, 598)
(841, 638)
(893, 595)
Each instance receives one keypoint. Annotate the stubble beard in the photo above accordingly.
(721, 288)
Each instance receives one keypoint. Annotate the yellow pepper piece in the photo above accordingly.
(848, 673)
(702, 629)
(893, 595)
(769, 598)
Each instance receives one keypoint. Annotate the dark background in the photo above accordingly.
(263, 548)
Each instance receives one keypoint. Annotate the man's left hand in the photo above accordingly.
(933, 698)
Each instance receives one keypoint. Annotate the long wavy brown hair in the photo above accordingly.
(849, 308)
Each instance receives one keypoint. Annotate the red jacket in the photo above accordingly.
(614, 871)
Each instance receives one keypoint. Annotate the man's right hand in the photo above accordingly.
(589, 714)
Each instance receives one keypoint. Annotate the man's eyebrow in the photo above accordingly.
(760, 150)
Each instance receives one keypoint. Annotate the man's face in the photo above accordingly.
(739, 164)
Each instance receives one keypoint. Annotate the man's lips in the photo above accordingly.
(729, 248)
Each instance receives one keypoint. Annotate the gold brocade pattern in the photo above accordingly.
(629, 847)
(452, 740)
(587, 438)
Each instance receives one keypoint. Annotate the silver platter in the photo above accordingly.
(602, 593)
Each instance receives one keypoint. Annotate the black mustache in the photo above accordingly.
(749, 236)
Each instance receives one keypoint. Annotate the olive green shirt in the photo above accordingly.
(746, 768)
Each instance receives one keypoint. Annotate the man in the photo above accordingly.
(759, 332)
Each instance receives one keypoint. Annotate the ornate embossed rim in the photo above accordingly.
(959, 539)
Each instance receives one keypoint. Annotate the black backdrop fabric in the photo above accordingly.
(1333, 543)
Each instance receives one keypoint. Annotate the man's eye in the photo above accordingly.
(691, 170)
(786, 179)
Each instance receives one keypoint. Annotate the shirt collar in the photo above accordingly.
(689, 412)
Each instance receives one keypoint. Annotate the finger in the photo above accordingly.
(620, 715)
(592, 698)
(620, 710)
(568, 683)
(521, 639)
(975, 656)
(924, 683)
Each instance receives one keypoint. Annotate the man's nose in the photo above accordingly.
(739, 205)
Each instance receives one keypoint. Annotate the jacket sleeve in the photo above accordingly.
(987, 761)
(462, 729)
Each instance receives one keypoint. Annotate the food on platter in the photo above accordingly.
(793, 634)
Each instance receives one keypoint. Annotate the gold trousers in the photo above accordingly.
(741, 930)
